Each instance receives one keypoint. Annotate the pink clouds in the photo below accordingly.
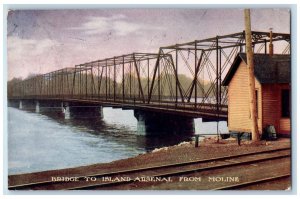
(42, 41)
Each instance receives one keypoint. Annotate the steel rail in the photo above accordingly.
(253, 182)
(179, 172)
(28, 185)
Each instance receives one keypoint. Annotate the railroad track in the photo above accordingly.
(162, 171)
(253, 182)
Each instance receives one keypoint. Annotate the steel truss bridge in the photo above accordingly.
(180, 79)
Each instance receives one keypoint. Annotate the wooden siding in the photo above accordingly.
(284, 126)
(271, 101)
(238, 102)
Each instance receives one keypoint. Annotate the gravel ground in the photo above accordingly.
(209, 148)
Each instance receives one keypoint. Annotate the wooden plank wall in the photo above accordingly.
(238, 98)
(271, 105)
(272, 108)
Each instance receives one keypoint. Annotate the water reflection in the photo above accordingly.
(47, 141)
(122, 130)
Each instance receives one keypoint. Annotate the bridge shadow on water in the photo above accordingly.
(120, 133)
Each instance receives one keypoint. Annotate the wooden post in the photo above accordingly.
(250, 64)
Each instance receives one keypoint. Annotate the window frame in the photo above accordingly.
(285, 113)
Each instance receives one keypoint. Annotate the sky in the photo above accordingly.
(40, 41)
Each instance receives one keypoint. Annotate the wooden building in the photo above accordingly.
(272, 88)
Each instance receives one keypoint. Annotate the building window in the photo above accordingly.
(285, 103)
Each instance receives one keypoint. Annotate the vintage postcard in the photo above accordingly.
(149, 99)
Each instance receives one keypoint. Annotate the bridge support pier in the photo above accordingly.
(37, 107)
(20, 104)
(62, 107)
(71, 110)
(153, 123)
(66, 110)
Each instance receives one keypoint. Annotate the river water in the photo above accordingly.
(38, 142)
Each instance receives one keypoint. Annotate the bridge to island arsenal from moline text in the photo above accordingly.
(179, 83)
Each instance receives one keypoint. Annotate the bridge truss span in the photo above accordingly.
(183, 78)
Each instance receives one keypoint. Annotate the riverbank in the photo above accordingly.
(186, 151)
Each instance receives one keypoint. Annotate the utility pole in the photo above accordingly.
(250, 65)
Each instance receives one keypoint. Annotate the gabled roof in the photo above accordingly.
(267, 69)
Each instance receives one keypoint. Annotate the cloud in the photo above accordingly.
(32, 55)
(123, 28)
(29, 47)
(117, 24)
(95, 25)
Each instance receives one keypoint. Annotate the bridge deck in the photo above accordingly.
(198, 110)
